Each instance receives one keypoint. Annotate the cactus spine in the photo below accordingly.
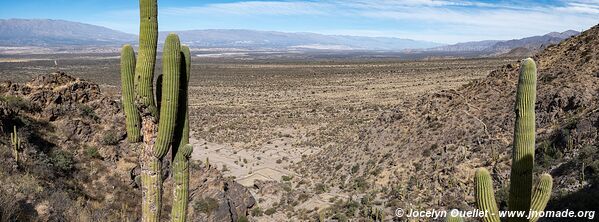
(16, 144)
(157, 130)
(183, 151)
(521, 197)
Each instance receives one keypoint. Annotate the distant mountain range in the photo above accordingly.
(42, 32)
(53, 33)
(534, 43)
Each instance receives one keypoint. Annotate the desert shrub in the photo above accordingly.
(206, 205)
(360, 184)
(110, 138)
(340, 217)
(320, 188)
(286, 178)
(88, 111)
(16, 103)
(351, 207)
(365, 200)
(243, 218)
(92, 152)
(287, 187)
(270, 211)
(257, 212)
(62, 160)
(303, 197)
(355, 168)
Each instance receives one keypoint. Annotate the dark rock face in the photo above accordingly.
(232, 199)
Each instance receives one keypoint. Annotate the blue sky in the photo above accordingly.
(443, 21)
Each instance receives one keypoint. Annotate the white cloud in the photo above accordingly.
(440, 20)
(254, 7)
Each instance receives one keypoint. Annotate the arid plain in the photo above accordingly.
(256, 120)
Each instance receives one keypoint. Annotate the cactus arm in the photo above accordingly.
(524, 139)
(128, 94)
(541, 195)
(171, 62)
(485, 196)
(144, 69)
(181, 149)
(454, 219)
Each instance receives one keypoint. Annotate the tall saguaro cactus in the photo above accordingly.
(522, 196)
(156, 131)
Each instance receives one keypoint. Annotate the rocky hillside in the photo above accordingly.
(75, 164)
(423, 153)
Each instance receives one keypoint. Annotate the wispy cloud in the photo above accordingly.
(254, 8)
(445, 20)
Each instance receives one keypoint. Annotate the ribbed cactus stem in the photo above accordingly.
(151, 189)
(522, 197)
(144, 69)
(524, 139)
(485, 196)
(454, 219)
(541, 195)
(171, 62)
(182, 150)
(16, 143)
(133, 120)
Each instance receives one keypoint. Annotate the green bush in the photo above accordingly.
(340, 217)
(243, 218)
(270, 211)
(286, 178)
(92, 152)
(16, 103)
(62, 160)
(256, 212)
(110, 138)
(320, 188)
(206, 205)
(88, 111)
(355, 168)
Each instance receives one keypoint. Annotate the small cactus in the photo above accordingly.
(16, 144)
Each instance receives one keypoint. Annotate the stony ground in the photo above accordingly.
(337, 139)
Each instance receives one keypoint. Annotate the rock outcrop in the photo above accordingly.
(76, 160)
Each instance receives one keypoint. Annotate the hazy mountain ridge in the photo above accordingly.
(533, 43)
(61, 33)
(46, 32)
